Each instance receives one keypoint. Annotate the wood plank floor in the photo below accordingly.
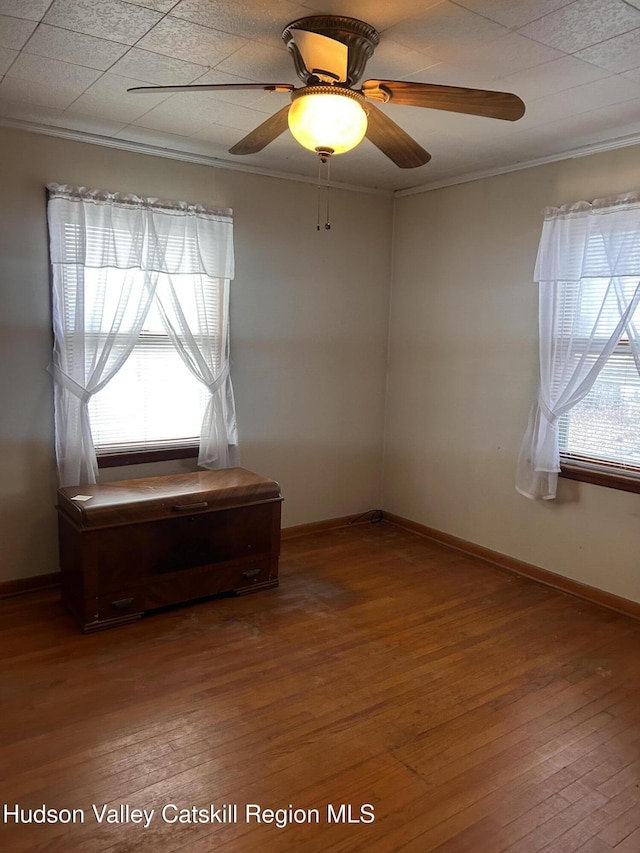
(475, 711)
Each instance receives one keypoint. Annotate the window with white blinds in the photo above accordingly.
(603, 429)
(153, 402)
(587, 409)
(140, 299)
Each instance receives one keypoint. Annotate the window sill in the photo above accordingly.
(601, 477)
(139, 457)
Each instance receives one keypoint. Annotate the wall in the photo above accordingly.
(463, 374)
(309, 317)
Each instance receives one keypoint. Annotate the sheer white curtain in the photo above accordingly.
(195, 325)
(588, 267)
(110, 254)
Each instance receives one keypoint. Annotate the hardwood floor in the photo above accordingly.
(475, 711)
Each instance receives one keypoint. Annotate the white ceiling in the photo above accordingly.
(65, 65)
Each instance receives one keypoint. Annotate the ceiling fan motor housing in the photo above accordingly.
(360, 38)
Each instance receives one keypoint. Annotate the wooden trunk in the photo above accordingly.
(136, 545)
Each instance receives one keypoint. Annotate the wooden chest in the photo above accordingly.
(140, 544)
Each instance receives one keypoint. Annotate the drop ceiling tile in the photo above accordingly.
(27, 111)
(513, 13)
(41, 69)
(47, 93)
(14, 31)
(446, 74)
(541, 143)
(632, 75)
(32, 10)
(108, 97)
(90, 51)
(392, 61)
(381, 14)
(621, 53)
(262, 20)
(158, 5)
(188, 41)
(554, 76)
(583, 23)
(113, 20)
(170, 141)
(267, 102)
(573, 133)
(88, 124)
(220, 136)
(625, 117)
(163, 70)
(260, 63)
(176, 115)
(590, 96)
(233, 115)
(7, 56)
(213, 75)
(197, 107)
(446, 31)
(506, 55)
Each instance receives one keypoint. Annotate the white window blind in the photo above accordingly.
(153, 402)
(604, 428)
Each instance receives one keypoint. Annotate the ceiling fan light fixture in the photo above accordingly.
(327, 118)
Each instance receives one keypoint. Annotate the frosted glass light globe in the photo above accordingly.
(327, 119)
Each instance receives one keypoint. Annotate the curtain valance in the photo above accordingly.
(590, 240)
(144, 233)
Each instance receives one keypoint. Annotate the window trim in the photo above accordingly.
(599, 475)
(139, 457)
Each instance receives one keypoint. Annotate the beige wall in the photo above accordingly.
(463, 374)
(309, 317)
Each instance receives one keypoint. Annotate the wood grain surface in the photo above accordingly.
(475, 710)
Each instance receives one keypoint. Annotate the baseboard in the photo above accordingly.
(21, 585)
(322, 526)
(495, 558)
(527, 570)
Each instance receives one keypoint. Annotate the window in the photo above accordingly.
(603, 430)
(140, 318)
(586, 421)
(152, 403)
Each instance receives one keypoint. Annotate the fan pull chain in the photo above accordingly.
(319, 188)
(323, 160)
(327, 224)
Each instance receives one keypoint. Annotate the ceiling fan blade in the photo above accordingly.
(477, 102)
(393, 141)
(211, 87)
(262, 135)
(322, 56)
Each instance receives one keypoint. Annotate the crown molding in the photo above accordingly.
(208, 160)
(572, 154)
(172, 154)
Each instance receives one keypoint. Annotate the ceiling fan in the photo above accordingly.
(327, 115)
